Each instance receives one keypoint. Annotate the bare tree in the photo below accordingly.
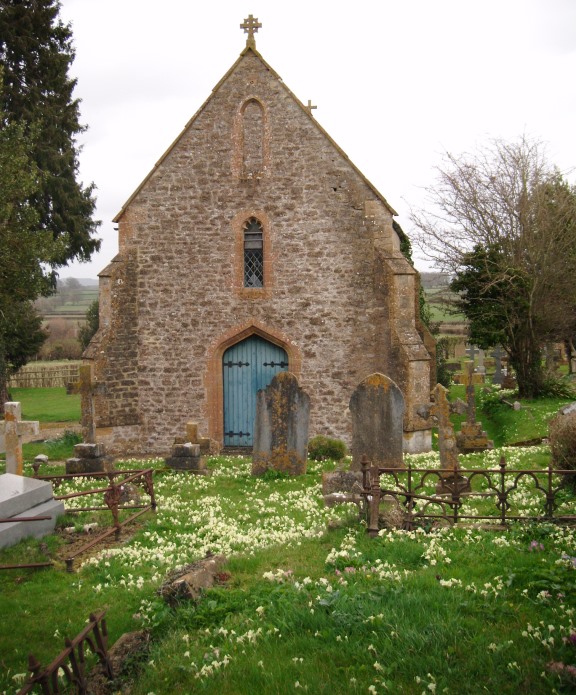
(503, 223)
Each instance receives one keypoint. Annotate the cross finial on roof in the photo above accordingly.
(251, 26)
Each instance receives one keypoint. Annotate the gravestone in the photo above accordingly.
(190, 455)
(451, 478)
(377, 407)
(481, 369)
(471, 351)
(87, 390)
(22, 497)
(187, 457)
(498, 354)
(208, 447)
(471, 436)
(281, 427)
(13, 433)
(470, 377)
(89, 456)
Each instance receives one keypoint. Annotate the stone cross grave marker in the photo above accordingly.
(377, 407)
(471, 351)
(498, 354)
(87, 390)
(281, 427)
(13, 433)
(452, 479)
(471, 436)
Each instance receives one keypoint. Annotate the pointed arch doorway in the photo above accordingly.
(247, 367)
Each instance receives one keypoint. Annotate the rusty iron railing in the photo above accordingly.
(70, 665)
(112, 495)
(410, 483)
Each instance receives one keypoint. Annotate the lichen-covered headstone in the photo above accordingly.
(377, 407)
(281, 427)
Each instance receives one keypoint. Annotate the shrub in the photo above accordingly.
(321, 448)
(563, 442)
(489, 399)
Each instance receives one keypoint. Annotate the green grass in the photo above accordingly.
(506, 426)
(48, 405)
(312, 603)
(307, 602)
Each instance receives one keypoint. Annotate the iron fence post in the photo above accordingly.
(502, 494)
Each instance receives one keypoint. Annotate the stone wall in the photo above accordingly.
(338, 295)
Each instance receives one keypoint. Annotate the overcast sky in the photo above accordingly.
(396, 82)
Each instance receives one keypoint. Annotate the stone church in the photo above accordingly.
(253, 246)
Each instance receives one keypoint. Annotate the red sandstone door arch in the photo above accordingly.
(214, 374)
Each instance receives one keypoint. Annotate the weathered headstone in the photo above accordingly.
(27, 498)
(13, 433)
(187, 457)
(468, 377)
(281, 427)
(497, 354)
(377, 407)
(89, 458)
(471, 436)
(481, 369)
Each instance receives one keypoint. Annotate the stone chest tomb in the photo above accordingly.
(253, 247)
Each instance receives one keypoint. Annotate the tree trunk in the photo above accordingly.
(526, 360)
(3, 380)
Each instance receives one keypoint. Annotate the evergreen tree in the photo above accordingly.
(23, 251)
(45, 214)
(36, 53)
(91, 326)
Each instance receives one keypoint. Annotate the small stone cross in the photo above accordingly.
(451, 479)
(446, 440)
(251, 26)
(471, 351)
(13, 433)
(310, 107)
(87, 390)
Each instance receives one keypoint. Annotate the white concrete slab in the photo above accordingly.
(15, 531)
(18, 494)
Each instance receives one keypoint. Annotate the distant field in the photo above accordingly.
(68, 301)
(439, 297)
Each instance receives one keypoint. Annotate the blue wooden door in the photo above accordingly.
(247, 367)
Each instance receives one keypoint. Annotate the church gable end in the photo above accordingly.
(254, 217)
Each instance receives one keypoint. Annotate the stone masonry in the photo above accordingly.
(338, 295)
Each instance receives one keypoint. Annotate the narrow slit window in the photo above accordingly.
(253, 254)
